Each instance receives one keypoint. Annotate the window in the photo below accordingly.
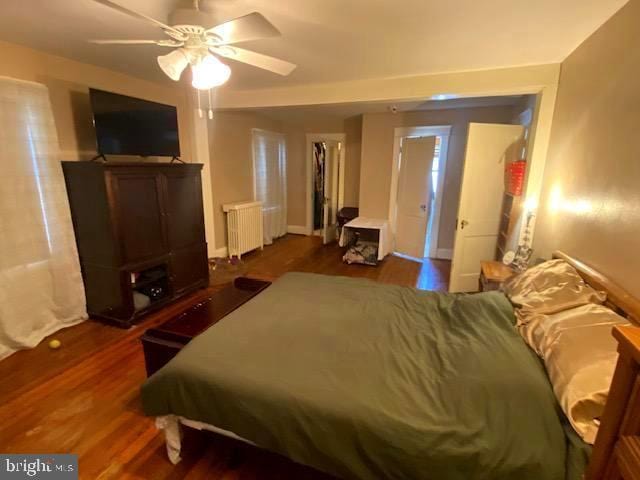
(41, 287)
(269, 174)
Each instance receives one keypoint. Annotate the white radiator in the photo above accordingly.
(244, 227)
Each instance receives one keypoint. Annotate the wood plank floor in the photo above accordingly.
(84, 398)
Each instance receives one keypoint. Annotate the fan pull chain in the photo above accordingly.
(210, 109)
(199, 108)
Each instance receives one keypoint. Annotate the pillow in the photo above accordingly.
(580, 355)
(550, 287)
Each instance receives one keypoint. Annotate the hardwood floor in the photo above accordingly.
(84, 398)
(307, 254)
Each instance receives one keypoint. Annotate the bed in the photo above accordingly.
(370, 381)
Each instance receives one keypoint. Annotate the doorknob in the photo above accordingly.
(463, 224)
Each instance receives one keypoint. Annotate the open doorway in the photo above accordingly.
(319, 161)
(417, 184)
(438, 166)
(325, 172)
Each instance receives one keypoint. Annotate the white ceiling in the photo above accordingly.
(330, 40)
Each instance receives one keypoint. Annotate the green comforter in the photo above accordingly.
(371, 381)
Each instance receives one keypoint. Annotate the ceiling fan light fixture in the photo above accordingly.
(209, 73)
(174, 63)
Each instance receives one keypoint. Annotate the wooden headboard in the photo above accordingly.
(616, 452)
(618, 298)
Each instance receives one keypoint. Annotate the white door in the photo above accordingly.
(488, 146)
(330, 210)
(414, 195)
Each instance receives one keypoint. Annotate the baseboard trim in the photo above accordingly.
(444, 253)
(297, 229)
(222, 252)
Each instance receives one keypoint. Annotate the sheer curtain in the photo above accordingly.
(41, 286)
(270, 181)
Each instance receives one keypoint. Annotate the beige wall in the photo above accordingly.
(69, 81)
(590, 205)
(353, 153)
(231, 155)
(377, 157)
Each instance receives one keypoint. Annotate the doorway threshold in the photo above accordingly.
(408, 257)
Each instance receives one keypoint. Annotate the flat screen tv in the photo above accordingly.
(131, 126)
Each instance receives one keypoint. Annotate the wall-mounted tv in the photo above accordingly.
(131, 126)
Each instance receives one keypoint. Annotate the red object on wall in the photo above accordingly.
(515, 177)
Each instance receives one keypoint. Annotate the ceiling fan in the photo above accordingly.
(200, 46)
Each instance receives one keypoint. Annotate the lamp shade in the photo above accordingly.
(209, 72)
(174, 63)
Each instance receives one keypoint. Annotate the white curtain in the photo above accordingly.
(270, 181)
(41, 286)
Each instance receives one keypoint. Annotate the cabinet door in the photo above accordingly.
(189, 267)
(139, 218)
(185, 225)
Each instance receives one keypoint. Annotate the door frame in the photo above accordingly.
(321, 137)
(420, 131)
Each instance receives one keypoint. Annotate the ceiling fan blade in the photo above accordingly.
(275, 65)
(140, 16)
(249, 27)
(127, 42)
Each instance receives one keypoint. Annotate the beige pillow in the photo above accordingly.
(580, 355)
(548, 288)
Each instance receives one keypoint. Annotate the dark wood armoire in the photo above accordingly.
(139, 228)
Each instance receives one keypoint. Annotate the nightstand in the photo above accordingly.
(493, 274)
